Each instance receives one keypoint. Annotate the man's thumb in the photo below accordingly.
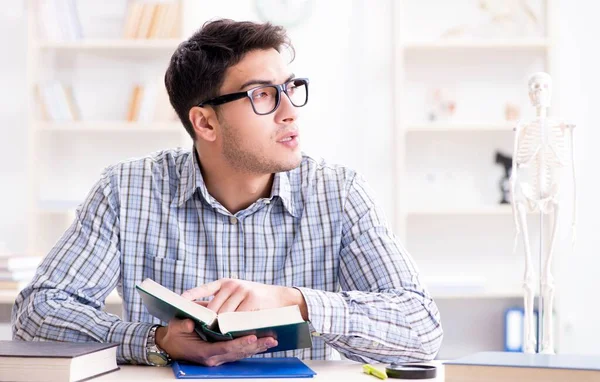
(184, 326)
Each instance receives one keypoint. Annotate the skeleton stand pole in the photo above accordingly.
(540, 315)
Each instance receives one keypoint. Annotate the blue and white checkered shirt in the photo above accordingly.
(320, 231)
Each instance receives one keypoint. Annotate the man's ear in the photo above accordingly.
(204, 121)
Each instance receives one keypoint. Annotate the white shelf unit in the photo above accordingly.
(490, 210)
(109, 126)
(84, 147)
(471, 127)
(119, 45)
(479, 44)
(447, 195)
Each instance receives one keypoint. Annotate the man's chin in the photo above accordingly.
(290, 163)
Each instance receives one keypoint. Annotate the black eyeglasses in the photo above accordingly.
(266, 99)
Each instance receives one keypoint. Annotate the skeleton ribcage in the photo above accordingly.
(541, 156)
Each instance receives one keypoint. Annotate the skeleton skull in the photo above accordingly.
(540, 89)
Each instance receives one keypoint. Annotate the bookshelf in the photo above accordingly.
(447, 194)
(88, 130)
(80, 143)
(469, 127)
(139, 40)
(496, 44)
(111, 45)
(109, 126)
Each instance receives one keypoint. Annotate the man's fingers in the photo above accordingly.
(246, 343)
(224, 347)
(243, 347)
(205, 290)
(221, 297)
(246, 306)
(230, 304)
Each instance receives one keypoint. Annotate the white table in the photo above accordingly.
(334, 371)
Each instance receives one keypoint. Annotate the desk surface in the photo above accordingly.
(346, 371)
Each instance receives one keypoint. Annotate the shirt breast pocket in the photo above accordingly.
(176, 275)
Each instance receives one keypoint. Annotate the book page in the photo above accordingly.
(237, 321)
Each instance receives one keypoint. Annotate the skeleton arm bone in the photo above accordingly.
(573, 233)
(513, 183)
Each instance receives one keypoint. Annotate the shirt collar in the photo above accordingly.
(282, 189)
(191, 180)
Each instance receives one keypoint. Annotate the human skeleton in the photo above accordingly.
(543, 149)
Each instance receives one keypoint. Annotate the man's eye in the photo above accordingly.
(259, 95)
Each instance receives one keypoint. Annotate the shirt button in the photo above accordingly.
(233, 220)
(234, 276)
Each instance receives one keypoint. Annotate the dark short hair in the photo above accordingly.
(197, 68)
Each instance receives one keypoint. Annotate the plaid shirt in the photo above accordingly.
(320, 231)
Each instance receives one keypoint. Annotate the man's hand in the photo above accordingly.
(237, 295)
(182, 343)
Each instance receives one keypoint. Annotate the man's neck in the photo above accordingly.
(235, 190)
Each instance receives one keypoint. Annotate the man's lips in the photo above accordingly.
(288, 137)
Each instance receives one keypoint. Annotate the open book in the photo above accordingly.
(284, 324)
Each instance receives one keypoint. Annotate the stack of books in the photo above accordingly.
(152, 20)
(16, 271)
(28, 361)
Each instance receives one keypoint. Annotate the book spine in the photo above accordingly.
(146, 20)
(77, 27)
(175, 23)
(48, 19)
(132, 20)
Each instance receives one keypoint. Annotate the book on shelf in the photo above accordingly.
(509, 366)
(147, 103)
(134, 103)
(37, 361)
(171, 27)
(134, 14)
(58, 20)
(146, 20)
(57, 102)
(150, 103)
(284, 324)
(158, 21)
(290, 367)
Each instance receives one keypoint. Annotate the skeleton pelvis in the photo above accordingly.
(535, 202)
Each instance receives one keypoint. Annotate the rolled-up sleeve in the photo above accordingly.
(383, 312)
(64, 301)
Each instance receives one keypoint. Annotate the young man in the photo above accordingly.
(243, 220)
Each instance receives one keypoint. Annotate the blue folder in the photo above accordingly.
(247, 368)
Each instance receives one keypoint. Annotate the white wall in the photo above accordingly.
(349, 118)
(579, 82)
